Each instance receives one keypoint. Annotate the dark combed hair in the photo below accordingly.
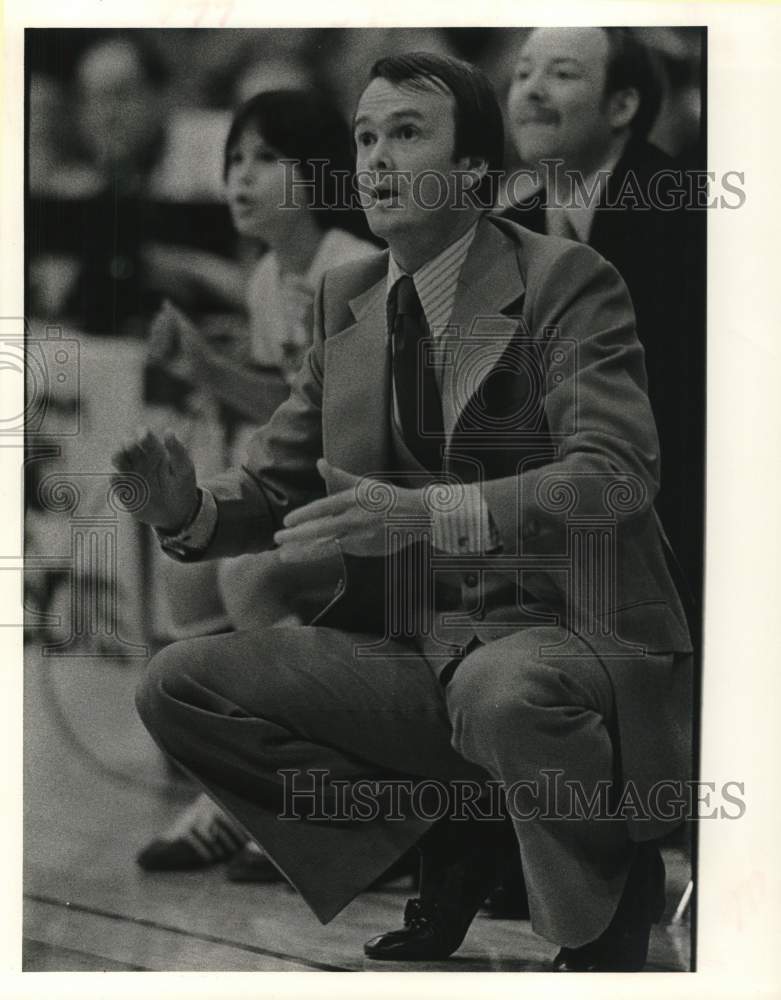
(479, 127)
(630, 64)
(302, 125)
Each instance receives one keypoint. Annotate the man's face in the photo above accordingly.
(119, 111)
(557, 106)
(405, 140)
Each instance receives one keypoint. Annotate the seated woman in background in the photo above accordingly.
(306, 236)
(313, 232)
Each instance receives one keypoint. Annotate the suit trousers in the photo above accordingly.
(262, 718)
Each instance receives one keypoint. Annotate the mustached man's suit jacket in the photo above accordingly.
(650, 229)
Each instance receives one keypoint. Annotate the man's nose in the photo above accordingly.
(534, 87)
(380, 157)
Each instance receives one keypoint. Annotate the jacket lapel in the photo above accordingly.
(357, 402)
(478, 333)
(358, 359)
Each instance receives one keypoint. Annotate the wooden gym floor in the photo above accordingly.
(96, 790)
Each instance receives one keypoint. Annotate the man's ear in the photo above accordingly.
(622, 107)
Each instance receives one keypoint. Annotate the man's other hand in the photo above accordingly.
(350, 517)
(169, 474)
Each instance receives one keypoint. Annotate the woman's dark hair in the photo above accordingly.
(630, 64)
(479, 128)
(303, 126)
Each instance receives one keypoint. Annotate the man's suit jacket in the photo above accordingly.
(660, 254)
(544, 400)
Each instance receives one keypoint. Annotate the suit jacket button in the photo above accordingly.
(339, 585)
(471, 579)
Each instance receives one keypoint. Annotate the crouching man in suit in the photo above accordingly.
(471, 429)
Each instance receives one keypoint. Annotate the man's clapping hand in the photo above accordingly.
(348, 517)
(167, 470)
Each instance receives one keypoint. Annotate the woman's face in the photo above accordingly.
(256, 186)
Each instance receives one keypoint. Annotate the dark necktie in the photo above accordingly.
(417, 393)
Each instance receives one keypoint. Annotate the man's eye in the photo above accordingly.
(364, 138)
(522, 74)
(408, 132)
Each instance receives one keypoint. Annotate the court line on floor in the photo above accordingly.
(98, 962)
(195, 935)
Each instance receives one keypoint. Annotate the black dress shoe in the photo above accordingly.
(428, 934)
(458, 870)
(623, 947)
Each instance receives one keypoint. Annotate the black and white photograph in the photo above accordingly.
(365, 434)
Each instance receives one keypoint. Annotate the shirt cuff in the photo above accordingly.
(468, 528)
(193, 539)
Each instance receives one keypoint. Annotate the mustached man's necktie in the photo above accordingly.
(417, 394)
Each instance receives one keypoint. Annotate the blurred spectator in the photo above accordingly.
(52, 168)
(121, 111)
(104, 251)
(86, 262)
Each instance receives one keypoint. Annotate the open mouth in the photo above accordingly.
(538, 118)
(385, 187)
(386, 194)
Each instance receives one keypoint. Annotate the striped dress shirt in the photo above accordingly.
(469, 528)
